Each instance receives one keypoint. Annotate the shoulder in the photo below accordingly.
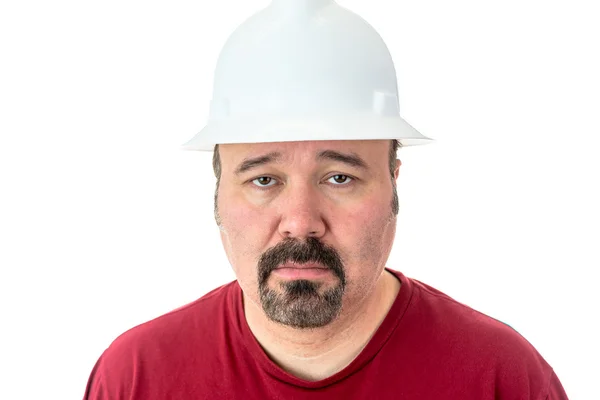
(198, 316)
(486, 349)
(162, 344)
(466, 326)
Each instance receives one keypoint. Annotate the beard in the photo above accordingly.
(301, 303)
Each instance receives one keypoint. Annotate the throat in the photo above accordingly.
(316, 354)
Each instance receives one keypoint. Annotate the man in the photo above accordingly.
(305, 129)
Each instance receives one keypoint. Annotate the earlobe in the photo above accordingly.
(397, 169)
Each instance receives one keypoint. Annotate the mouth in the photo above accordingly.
(290, 270)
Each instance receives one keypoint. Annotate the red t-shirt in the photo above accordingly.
(429, 346)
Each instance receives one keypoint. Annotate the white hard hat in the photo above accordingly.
(304, 70)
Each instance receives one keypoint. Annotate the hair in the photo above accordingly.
(392, 155)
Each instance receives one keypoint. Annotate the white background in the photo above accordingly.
(106, 223)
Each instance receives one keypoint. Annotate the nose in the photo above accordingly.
(301, 213)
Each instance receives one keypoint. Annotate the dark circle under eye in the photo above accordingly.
(264, 180)
(340, 178)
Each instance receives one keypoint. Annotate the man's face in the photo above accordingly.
(307, 226)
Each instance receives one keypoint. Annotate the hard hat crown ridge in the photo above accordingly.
(298, 6)
(304, 70)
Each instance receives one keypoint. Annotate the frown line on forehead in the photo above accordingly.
(254, 162)
(351, 159)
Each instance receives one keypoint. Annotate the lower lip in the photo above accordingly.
(302, 273)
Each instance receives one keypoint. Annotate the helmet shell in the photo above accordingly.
(304, 70)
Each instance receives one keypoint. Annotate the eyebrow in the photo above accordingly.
(254, 162)
(351, 159)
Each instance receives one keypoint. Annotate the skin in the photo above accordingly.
(299, 195)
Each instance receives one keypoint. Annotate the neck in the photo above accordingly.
(315, 354)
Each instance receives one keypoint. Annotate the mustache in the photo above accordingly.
(298, 251)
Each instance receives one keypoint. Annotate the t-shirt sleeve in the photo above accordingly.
(556, 390)
(95, 386)
(112, 377)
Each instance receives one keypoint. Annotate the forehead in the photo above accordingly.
(372, 151)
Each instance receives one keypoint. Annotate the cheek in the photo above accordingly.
(245, 234)
(248, 219)
(237, 219)
(369, 230)
(241, 258)
(375, 243)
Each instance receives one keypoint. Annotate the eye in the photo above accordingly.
(339, 179)
(264, 181)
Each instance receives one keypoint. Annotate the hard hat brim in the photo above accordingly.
(262, 130)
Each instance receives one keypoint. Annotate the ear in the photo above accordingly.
(397, 169)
